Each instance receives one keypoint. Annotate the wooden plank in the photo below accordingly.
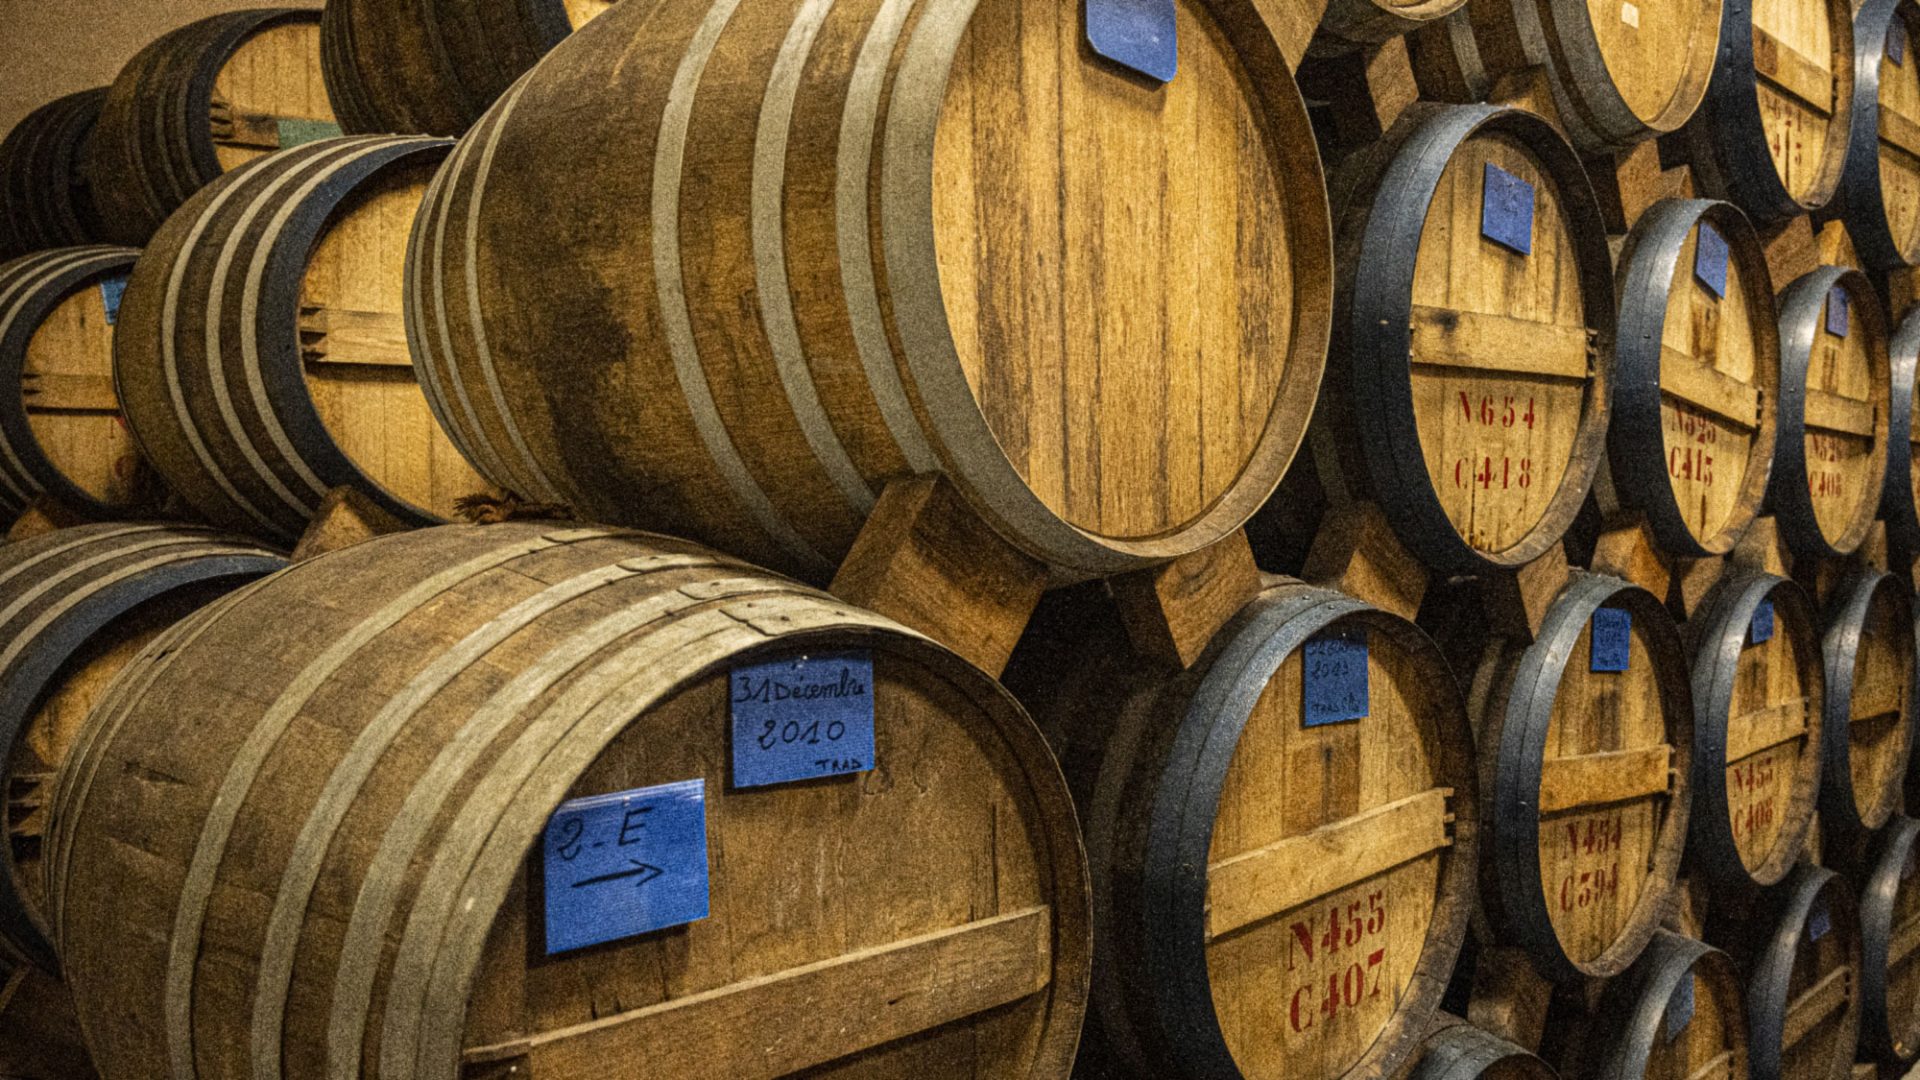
(1610, 777)
(1899, 131)
(809, 1015)
(1173, 611)
(48, 392)
(1829, 411)
(1720, 1064)
(342, 336)
(250, 130)
(1820, 1001)
(1792, 71)
(1282, 876)
(1487, 343)
(1709, 389)
(1905, 939)
(1764, 729)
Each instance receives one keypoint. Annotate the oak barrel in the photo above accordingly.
(1281, 886)
(1620, 73)
(75, 605)
(1758, 695)
(1106, 331)
(1469, 396)
(198, 101)
(1900, 501)
(362, 861)
(1880, 184)
(1830, 459)
(61, 433)
(1585, 738)
(1456, 1050)
(1867, 716)
(1889, 940)
(1771, 137)
(262, 356)
(433, 68)
(1348, 23)
(1799, 951)
(1697, 375)
(1677, 1014)
(45, 201)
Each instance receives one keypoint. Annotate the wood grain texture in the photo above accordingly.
(385, 731)
(1869, 650)
(1678, 1014)
(858, 241)
(1889, 940)
(1800, 952)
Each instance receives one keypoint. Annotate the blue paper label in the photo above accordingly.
(1137, 34)
(111, 290)
(1680, 1007)
(1506, 210)
(1896, 43)
(1818, 920)
(1762, 627)
(294, 133)
(1333, 684)
(1710, 259)
(802, 717)
(624, 864)
(1612, 639)
(1837, 304)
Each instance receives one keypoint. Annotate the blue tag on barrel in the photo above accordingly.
(1896, 43)
(111, 291)
(1506, 210)
(1819, 921)
(1837, 305)
(800, 718)
(1762, 626)
(298, 132)
(1333, 683)
(1137, 34)
(1680, 1007)
(624, 864)
(1611, 639)
(1710, 259)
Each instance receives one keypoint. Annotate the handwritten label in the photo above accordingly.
(803, 717)
(1137, 34)
(1611, 639)
(1710, 259)
(1506, 210)
(1818, 920)
(296, 132)
(1333, 688)
(624, 864)
(1896, 44)
(1761, 629)
(1680, 1007)
(1837, 306)
(111, 291)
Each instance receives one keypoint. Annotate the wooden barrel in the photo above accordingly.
(1471, 395)
(1867, 717)
(1771, 137)
(262, 357)
(44, 197)
(1585, 736)
(410, 755)
(1456, 1050)
(1889, 941)
(61, 432)
(1830, 459)
(198, 101)
(1800, 953)
(1620, 74)
(1900, 500)
(1697, 370)
(1112, 360)
(1880, 185)
(1677, 1014)
(75, 606)
(1758, 691)
(1366, 22)
(434, 68)
(1281, 837)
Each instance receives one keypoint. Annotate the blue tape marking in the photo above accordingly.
(1762, 627)
(1612, 639)
(296, 132)
(1506, 210)
(624, 864)
(798, 718)
(1818, 921)
(111, 291)
(1333, 686)
(1680, 1007)
(1710, 259)
(1837, 306)
(1897, 43)
(1138, 34)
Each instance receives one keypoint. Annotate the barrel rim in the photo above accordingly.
(1860, 202)
(1898, 507)
(1769, 982)
(1599, 119)
(1635, 1005)
(1877, 895)
(1840, 815)
(1472, 1052)
(1636, 444)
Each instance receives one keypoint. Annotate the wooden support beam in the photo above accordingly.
(54, 392)
(1837, 412)
(1708, 389)
(1494, 344)
(343, 336)
(1763, 729)
(1172, 612)
(1568, 783)
(1818, 1002)
(1793, 72)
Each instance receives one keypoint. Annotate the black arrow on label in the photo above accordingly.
(643, 871)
